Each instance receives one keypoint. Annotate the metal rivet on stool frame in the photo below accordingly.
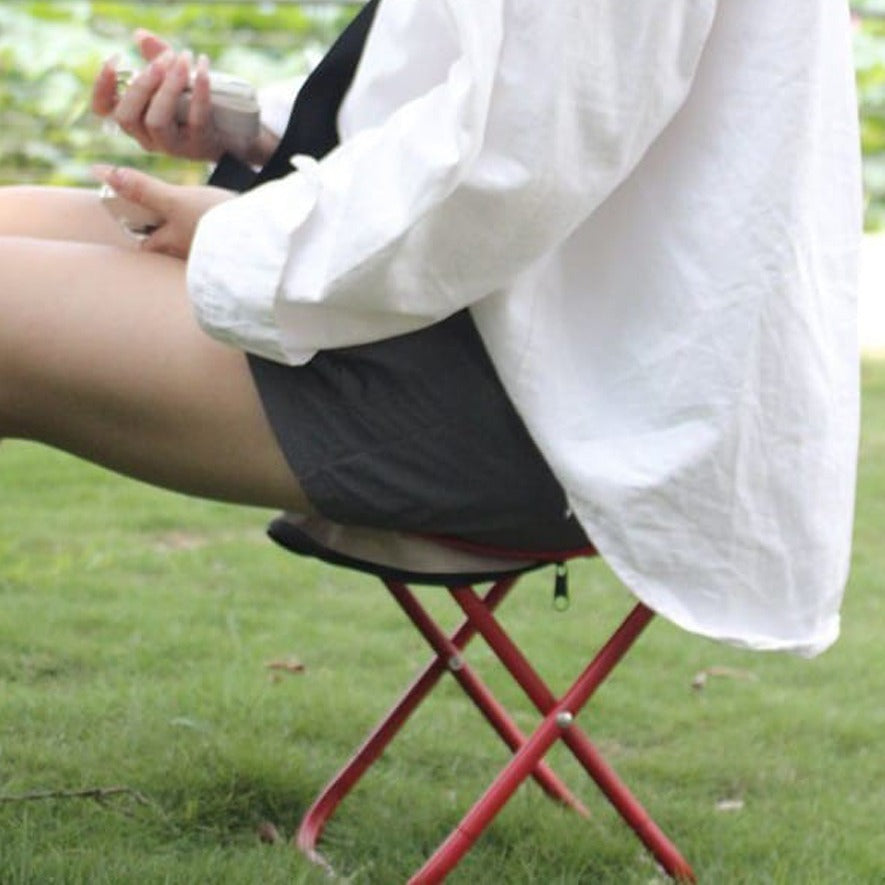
(564, 719)
(455, 662)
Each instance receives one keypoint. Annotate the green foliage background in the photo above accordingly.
(50, 50)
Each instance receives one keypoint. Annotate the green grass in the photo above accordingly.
(135, 627)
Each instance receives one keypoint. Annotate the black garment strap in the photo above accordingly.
(313, 123)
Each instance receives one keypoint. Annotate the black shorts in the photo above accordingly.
(416, 433)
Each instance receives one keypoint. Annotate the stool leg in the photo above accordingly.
(527, 677)
(316, 817)
(557, 724)
(445, 858)
(313, 822)
(484, 700)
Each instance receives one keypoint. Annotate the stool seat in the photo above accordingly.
(428, 560)
(400, 559)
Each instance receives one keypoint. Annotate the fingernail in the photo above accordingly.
(162, 62)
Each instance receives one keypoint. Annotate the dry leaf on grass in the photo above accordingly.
(730, 805)
(268, 833)
(175, 541)
(289, 665)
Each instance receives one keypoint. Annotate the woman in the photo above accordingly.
(640, 220)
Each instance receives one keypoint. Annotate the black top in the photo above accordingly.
(313, 123)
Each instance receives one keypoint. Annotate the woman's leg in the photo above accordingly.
(59, 213)
(100, 356)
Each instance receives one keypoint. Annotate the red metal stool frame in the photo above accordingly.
(558, 721)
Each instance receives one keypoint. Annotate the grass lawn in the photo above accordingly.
(135, 630)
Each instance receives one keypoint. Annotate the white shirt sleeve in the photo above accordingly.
(475, 138)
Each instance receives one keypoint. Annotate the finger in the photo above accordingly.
(161, 120)
(134, 102)
(163, 240)
(156, 241)
(141, 188)
(104, 90)
(149, 44)
(201, 101)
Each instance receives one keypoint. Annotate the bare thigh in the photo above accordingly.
(100, 355)
(59, 213)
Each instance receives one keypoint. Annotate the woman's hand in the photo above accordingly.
(146, 109)
(180, 206)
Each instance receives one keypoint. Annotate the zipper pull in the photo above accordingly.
(560, 588)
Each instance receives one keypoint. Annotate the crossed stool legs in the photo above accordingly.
(559, 714)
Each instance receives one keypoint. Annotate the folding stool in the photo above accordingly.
(401, 559)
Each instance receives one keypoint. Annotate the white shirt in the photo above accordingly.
(653, 210)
